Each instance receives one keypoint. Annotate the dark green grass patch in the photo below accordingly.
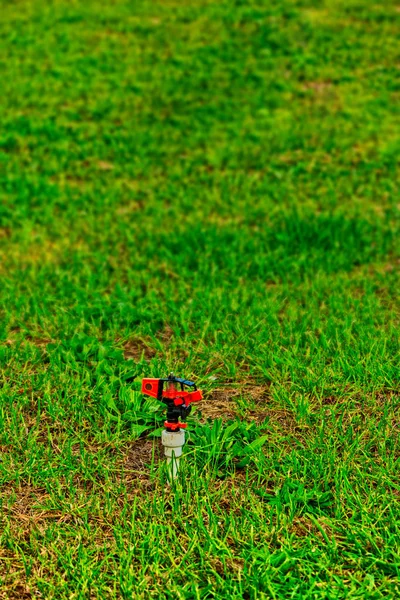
(210, 188)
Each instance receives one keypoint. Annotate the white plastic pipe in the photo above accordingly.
(173, 442)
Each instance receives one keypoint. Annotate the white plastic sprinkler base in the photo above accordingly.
(173, 442)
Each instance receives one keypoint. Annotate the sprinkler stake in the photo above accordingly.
(178, 402)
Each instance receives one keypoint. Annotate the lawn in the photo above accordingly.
(209, 187)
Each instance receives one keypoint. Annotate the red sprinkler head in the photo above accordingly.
(178, 401)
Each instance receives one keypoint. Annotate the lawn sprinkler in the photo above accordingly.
(178, 401)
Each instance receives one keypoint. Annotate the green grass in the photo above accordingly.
(209, 187)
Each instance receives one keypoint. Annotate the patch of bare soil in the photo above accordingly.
(222, 402)
(141, 456)
(5, 232)
(27, 508)
(13, 582)
(136, 348)
(219, 404)
(38, 341)
(318, 86)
